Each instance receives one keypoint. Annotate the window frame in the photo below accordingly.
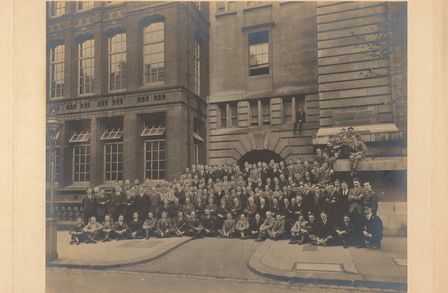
(90, 4)
(222, 109)
(56, 6)
(265, 104)
(261, 66)
(53, 64)
(253, 105)
(233, 107)
(145, 159)
(288, 101)
(160, 74)
(197, 67)
(87, 165)
(122, 53)
(80, 61)
(117, 171)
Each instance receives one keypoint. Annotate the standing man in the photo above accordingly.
(102, 205)
(300, 119)
(88, 206)
(370, 198)
(355, 209)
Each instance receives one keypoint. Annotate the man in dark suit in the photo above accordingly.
(135, 227)
(373, 230)
(300, 119)
(88, 206)
(344, 194)
(370, 198)
(102, 206)
(142, 203)
(355, 209)
(345, 232)
(209, 224)
(255, 224)
(332, 201)
(325, 232)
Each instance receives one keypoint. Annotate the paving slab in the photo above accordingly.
(112, 253)
(386, 268)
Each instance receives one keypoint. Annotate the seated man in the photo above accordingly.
(149, 226)
(121, 229)
(313, 227)
(195, 228)
(265, 227)
(92, 230)
(373, 230)
(180, 224)
(242, 226)
(255, 224)
(107, 228)
(278, 228)
(164, 229)
(299, 231)
(209, 224)
(346, 233)
(228, 227)
(135, 227)
(77, 233)
(357, 153)
(325, 232)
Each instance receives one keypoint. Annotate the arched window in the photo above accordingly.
(86, 67)
(153, 53)
(56, 86)
(117, 62)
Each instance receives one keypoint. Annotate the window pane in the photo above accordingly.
(153, 52)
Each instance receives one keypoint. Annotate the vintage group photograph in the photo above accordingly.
(237, 146)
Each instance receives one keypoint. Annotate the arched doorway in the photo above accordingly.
(256, 156)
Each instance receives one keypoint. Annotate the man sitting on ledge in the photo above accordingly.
(357, 154)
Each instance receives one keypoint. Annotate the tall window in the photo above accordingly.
(222, 115)
(266, 112)
(113, 161)
(258, 53)
(84, 5)
(86, 74)
(253, 105)
(154, 53)
(287, 110)
(234, 114)
(117, 62)
(81, 163)
(57, 71)
(197, 67)
(155, 159)
(57, 8)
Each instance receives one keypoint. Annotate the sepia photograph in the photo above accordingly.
(237, 146)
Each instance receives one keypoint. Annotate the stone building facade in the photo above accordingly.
(129, 81)
(342, 62)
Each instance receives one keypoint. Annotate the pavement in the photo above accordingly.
(245, 260)
(112, 253)
(385, 268)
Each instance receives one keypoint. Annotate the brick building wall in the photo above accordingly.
(175, 96)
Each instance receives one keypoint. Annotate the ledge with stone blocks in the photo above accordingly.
(369, 133)
(374, 164)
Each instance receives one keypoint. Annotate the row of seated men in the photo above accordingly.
(306, 228)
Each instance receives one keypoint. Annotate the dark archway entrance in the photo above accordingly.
(259, 156)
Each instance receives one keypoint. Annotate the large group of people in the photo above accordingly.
(300, 201)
